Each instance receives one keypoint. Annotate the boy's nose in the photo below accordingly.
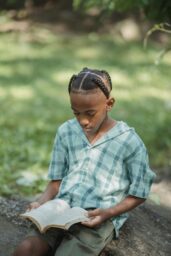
(84, 122)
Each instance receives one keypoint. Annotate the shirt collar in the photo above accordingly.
(120, 128)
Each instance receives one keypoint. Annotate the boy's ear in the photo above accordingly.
(109, 104)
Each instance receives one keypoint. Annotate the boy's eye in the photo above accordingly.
(76, 113)
(90, 113)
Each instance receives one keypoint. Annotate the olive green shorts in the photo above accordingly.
(79, 240)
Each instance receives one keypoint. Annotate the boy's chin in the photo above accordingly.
(90, 132)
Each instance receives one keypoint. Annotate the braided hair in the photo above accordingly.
(89, 79)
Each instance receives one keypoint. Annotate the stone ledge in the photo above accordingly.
(146, 233)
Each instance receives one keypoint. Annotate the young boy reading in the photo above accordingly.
(99, 164)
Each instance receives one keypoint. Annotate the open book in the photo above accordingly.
(55, 213)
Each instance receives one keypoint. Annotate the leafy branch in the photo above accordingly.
(163, 27)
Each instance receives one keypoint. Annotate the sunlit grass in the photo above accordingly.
(34, 72)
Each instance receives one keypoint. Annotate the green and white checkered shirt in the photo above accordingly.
(103, 174)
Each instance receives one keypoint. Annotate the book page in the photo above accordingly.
(68, 218)
(47, 212)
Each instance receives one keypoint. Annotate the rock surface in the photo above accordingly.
(146, 233)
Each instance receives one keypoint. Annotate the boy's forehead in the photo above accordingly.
(89, 100)
(85, 92)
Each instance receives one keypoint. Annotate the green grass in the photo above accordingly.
(34, 73)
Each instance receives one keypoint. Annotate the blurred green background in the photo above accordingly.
(35, 67)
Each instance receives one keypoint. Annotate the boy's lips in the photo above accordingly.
(87, 129)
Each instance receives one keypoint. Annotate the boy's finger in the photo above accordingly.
(93, 213)
(92, 223)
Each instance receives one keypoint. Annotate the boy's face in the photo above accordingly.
(91, 109)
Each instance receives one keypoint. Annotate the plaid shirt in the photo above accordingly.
(103, 174)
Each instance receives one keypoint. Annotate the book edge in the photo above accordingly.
(41, 228)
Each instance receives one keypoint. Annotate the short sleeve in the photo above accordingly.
(58, 164)
(140, 175)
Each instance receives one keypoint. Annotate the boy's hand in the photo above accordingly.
(97, 217)
(33, 205)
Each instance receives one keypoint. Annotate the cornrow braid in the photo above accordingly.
(84, 69)
(88, 79)
(70, 83)
(108, 77)
(101, 85)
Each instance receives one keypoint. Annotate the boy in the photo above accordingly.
(99, 164)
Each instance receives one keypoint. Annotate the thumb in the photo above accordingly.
(33, 205)
(93, 213)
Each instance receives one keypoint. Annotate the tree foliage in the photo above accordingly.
(17, 4)
(159, 10)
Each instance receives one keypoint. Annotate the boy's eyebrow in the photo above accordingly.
(89, 110)
(73, 108)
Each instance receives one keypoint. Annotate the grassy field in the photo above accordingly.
(34, 73)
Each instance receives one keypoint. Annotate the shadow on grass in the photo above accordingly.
(67, 56)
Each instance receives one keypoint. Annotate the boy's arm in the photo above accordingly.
(49, 193)
(97, 216)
